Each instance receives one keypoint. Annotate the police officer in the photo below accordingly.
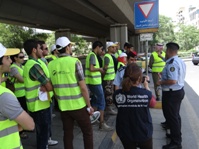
(172, 83)
(157, 63)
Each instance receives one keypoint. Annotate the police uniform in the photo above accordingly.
(172, 95)
(119, 77)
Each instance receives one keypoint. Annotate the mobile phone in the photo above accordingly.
(143, 79)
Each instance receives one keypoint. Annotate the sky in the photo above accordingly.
(170, 7)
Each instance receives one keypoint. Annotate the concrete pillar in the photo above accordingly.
(103, 40)
(119, 33)
(63, 32)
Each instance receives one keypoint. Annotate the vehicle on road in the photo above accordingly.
(195, 58)
(141, 61)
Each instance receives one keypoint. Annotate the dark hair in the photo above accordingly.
(13, 56)
(97, 43)
(126, 44)
(129, 46)
(172, 46)
(1, 58)
(63, 50)
(131, 54)
(41, 42)
(132, 74)
(29, 45)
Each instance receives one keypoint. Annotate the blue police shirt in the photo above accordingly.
(175, 69)
(119, 77)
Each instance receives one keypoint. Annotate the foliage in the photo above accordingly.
(13, 36)
(165, 32)
(187, 36)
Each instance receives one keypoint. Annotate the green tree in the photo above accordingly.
(187, 36)
(165, 32)
(13, 36)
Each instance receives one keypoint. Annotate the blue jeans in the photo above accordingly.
(42, 121)
(97, 99)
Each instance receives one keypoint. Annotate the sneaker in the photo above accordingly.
(95, 117)
(52, 142)
(104, 127)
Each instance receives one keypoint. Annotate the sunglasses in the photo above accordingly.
(21, 57)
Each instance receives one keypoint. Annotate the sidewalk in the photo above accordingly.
(102, 140)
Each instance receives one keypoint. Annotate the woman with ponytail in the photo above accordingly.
(134, 122)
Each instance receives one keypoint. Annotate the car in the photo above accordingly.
(195, 58)
(141, 61)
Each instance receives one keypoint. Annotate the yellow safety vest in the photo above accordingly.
(110, 72)
(119, 65)
(3, 83)
(118, 53)
(9, 134)
(93, 78)
(31, 87)
(66, 88)
(19, 87)
(46, 71)
(159, 63)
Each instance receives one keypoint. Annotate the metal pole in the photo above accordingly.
(146, 59)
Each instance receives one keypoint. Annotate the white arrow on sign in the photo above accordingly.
(146, 37)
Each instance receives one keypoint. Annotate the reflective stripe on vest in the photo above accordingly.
(31, 87)
(19, 87)
(65, 84)
(159, 63)
(120, 64)
(9, 134)
(93, 78)
(110, 72)
(46, 71)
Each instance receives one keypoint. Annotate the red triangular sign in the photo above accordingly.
(146, 8)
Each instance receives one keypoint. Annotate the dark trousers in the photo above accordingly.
(83, 120)
(22, 101)
(42, 121)
(142, 145)
(171, 101)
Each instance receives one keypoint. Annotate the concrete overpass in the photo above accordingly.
(85, 17)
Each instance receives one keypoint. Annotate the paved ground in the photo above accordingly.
(109, 140)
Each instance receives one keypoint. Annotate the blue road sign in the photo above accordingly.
(146, 14)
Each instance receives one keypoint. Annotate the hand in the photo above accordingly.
(101, 70)
(158, 83)
(43, 89)
(90, 110)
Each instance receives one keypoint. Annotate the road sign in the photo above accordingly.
(146, 14)
(146, 37)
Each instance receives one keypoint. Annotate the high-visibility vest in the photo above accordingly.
(110, 72)
(93, 78)
(9, 134)
(118, 53)
(32, 89)
(119, 64)
(19, 87)
(159, 63)
(67, 91)
(46, 71)
(3, 83)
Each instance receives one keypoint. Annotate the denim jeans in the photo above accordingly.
(42, 121)
(97, 99)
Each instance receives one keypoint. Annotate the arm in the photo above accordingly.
(151, 61)
(106, 63)
(25, 121)
(19, 78)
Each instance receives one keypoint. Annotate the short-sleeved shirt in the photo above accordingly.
(92, 60)
(37, 73)
(119, 76)
(175, 69)
(79, 72)
(133, 122)
(9, 106)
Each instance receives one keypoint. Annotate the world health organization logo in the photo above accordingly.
(120, 98)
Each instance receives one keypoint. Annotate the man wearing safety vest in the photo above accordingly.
(12, 117)
(108, 66)
(157, 63)
(94, 82)
(118, 51)
(70, 90)
(53, 55)
(37, 86)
